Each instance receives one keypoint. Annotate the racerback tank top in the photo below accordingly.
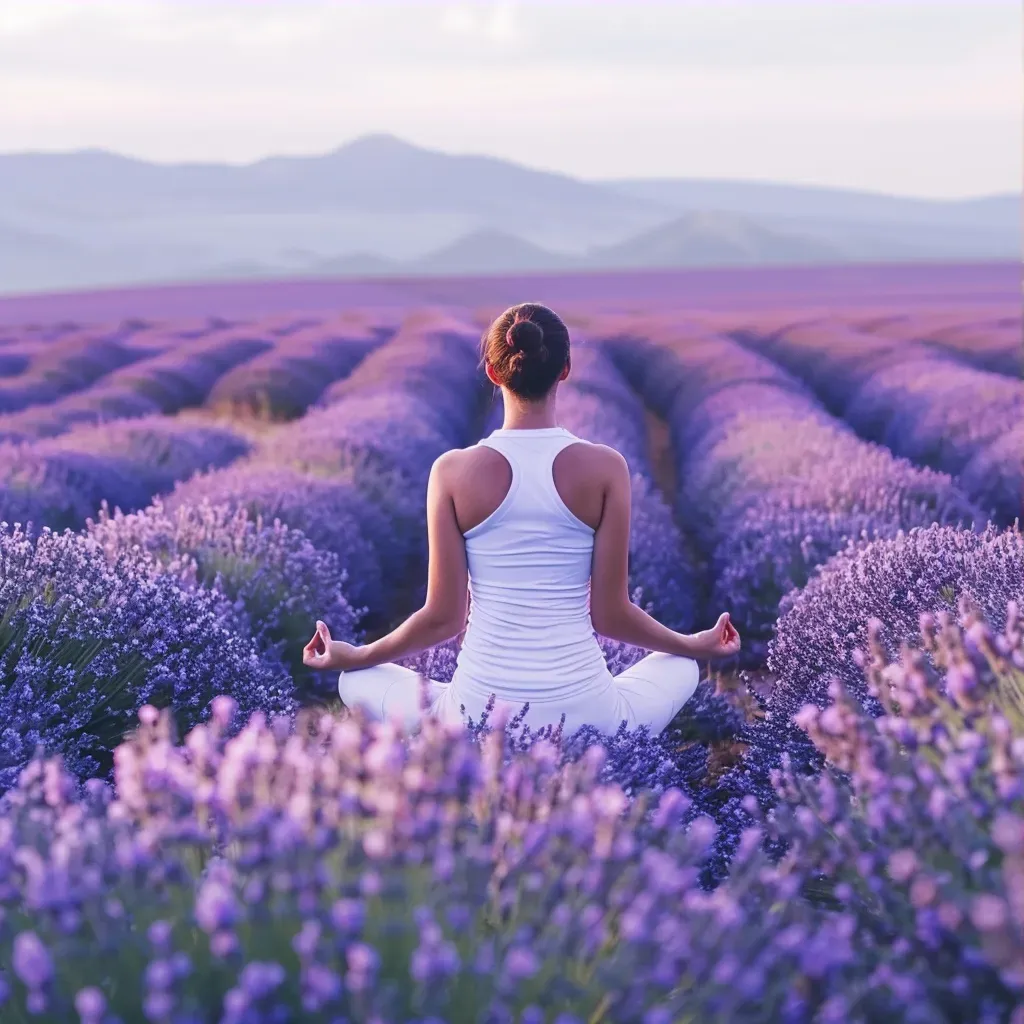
(529, 635)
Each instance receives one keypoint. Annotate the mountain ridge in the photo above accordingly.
(380, 205)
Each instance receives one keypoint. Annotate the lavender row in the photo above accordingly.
(994, 342)
(46, 374)
(62, 481)
(284, 382)
(169, 380)
(352, 473)
(924, 406)
(770, 484)
(947, 416)
(334, 871)
(59, 482)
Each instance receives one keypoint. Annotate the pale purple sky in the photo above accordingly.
(919, 98)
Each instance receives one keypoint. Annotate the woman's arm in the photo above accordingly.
(444, 612)
(611, 611)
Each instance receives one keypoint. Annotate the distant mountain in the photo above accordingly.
(381, 206)
(29, 259)
(715, 239)
(774, 200)
(492, 252)
(377, 174)
(356, 264)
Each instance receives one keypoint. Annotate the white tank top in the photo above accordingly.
(530, 637)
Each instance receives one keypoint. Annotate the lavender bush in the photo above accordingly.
(916, 830)
(375, 878)
(159, 450)
(48, 485)
(85, 642)
(894, 581)
(995, 475)
(332, 870)
(331, 513)
(823, 629)
(276, 581)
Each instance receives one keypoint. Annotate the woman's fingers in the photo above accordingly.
(316, 650)
(729, 637)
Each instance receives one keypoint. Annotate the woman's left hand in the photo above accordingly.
(324, 654)
(721, 641)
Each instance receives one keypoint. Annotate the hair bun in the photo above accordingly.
(527, 337)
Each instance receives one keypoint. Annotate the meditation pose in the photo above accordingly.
(528, 534)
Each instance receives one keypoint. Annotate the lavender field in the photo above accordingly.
(831, 830)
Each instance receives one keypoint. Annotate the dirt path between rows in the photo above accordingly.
(661, 456)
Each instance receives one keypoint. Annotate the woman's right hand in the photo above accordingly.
(721, 641)
(324, 654)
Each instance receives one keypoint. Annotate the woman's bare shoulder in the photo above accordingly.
(597, 460)
(477, 480)
(460, 466)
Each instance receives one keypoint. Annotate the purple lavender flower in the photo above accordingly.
(31, 961)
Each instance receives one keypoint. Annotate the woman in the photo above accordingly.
(532, 524)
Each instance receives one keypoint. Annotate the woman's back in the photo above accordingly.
(529, 636)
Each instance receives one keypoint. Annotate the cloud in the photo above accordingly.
(21, 18)
(497, 22)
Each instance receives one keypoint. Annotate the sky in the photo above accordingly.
(915, 98)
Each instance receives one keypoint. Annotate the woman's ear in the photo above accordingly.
(565, 372)
(491, 375)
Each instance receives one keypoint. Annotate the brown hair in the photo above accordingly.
(528, 348)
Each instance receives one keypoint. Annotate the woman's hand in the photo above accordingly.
(324, 654)
(721, 641)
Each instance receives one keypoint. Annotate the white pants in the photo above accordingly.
(649, 693)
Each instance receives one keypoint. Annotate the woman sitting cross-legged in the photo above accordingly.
(528, 532)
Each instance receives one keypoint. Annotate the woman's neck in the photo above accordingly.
(529, 415)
